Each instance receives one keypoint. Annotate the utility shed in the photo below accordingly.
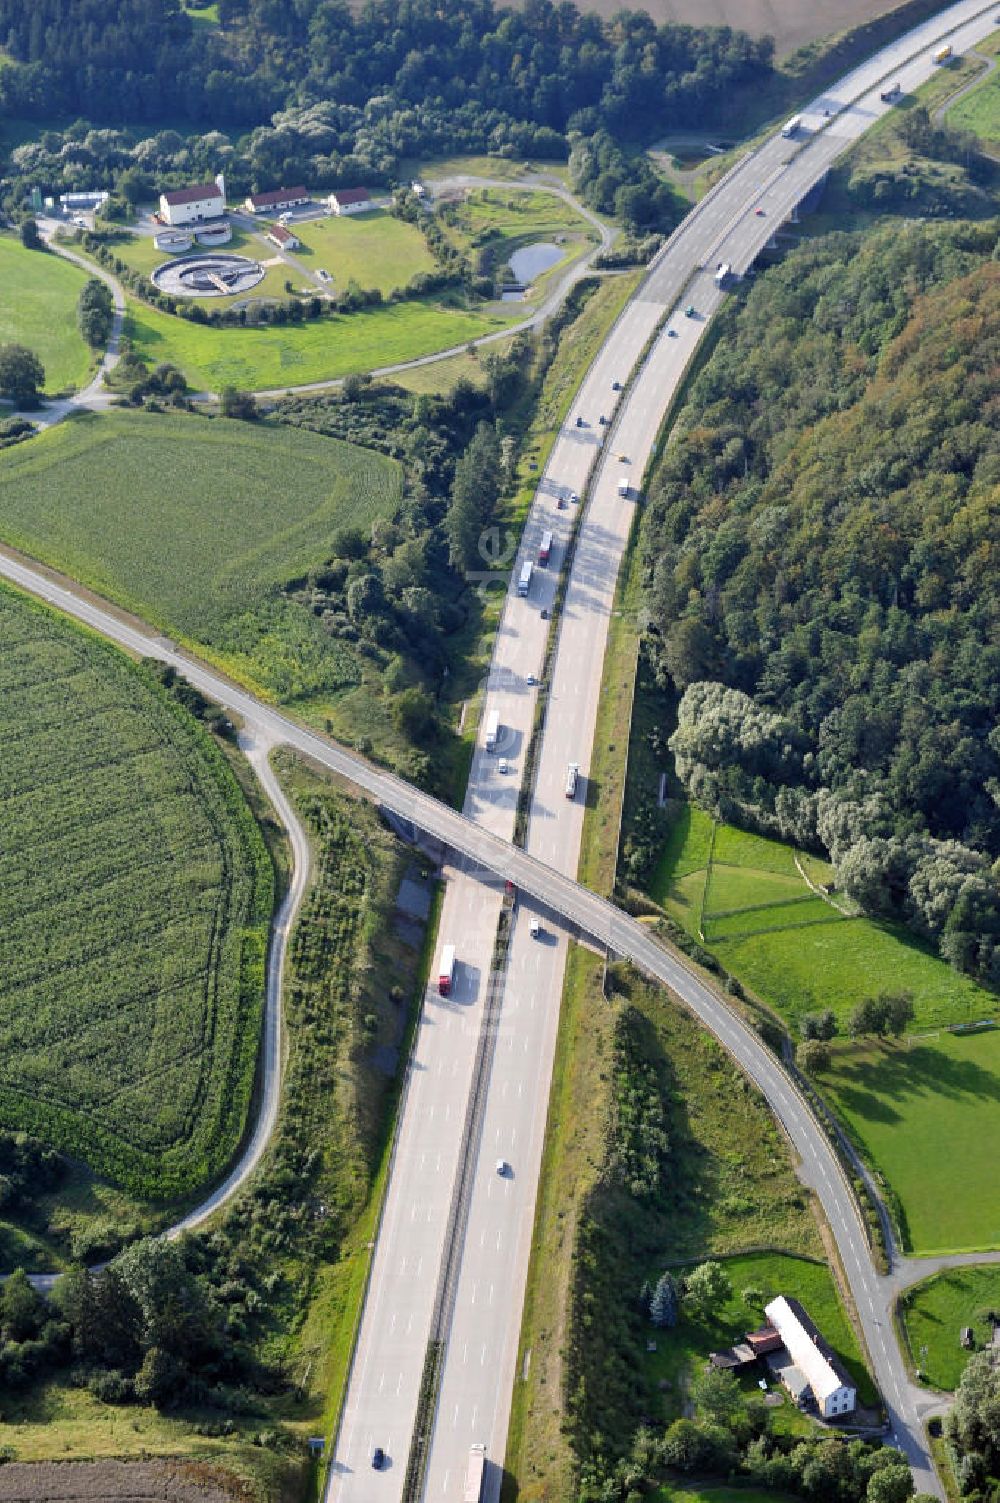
(831, 1384)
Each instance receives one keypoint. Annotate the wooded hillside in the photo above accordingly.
(822, 549)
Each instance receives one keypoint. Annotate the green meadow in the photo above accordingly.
(38, 297)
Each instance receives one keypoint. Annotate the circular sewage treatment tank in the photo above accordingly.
(212, 275)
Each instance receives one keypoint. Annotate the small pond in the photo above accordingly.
(529, 262)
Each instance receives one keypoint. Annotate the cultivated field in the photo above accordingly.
(935, 1312)
(323, 349)
(372, 249)
(927, 1115)
(135, 895)
(195, 524)
(38, 297)
(799, 953)
(790, 22)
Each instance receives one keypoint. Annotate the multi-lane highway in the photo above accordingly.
(480, 1353)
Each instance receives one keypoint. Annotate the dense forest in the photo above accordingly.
(821, 550)
(392, 68)
(311, 91)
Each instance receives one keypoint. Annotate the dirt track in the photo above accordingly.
(117, 1482)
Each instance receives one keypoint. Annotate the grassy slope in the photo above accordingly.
(979, 110)
(320, 350)
(739, 1191)
(935, 1312)
(928, 1117)
(195, 523)
(134, 900)
(38, 296)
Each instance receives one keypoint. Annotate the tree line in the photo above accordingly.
(819, 549)
(320, 94)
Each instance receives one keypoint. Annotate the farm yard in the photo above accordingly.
(135, 897)
(38, 296)
(934, 1313)
(196, 524)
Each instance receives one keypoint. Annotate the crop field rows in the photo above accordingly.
(134, 900)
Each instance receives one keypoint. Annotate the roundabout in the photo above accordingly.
(207, 275)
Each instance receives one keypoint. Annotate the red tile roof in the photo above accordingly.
(275, 196)
(192, 195)
(351, 195)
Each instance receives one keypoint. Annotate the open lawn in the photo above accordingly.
(927, 1116)
(935, 1312)
(196, 524)
(373, 249)
(38, 297)
(791, 947)
(135, 897)
(321, 349)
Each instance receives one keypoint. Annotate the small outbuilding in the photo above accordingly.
(283, 238)
(349, 201)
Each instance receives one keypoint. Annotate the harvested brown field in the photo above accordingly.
(118, 1482)
(792, 23)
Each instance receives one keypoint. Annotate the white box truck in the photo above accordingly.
(475, 1474)
(524, 578)
(624, 488)
(722, 273)
(492, 730)
(791, 127)
(572, 778)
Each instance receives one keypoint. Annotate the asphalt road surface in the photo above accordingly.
(382, 1392)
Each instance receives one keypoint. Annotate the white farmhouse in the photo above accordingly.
(349, 201)
(831, 1384)
(193, 205)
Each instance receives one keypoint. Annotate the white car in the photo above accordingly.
(501, 1166)
(503, 765)
(534, 927)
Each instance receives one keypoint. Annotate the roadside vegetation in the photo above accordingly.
(231, 1345)
(658, 1156)
(136, 903)
(38, 309)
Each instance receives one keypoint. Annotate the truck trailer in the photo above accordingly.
(791, 127)
(524, 578)
(475, 1475)
(545, 548)
(492, 730)
(572, 778)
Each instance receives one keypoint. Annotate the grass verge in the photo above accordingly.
(935, 1313)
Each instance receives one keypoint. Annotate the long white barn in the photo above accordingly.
(832, 1387)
